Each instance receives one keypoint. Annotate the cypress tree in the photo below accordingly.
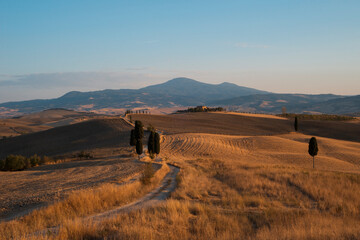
(157, 143)
(313, 149)
(151, 144)
(139, 147)
(296, 124)
(132, 138)
(139, 131)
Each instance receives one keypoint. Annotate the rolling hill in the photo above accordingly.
(97, 133)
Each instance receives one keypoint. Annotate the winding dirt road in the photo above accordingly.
(156, 196)
(153, 198)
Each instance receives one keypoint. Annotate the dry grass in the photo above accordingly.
(78, 204)
(211, 204)
(243, 187)
(224, 192)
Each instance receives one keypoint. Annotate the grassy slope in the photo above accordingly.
(236, 187)
(66, 139)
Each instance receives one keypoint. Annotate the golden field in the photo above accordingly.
(242, 177)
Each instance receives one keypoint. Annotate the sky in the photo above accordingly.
(50, 47)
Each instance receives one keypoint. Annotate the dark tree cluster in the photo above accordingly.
(19, 162)
(136, 136)
(136, 112)
(202, 109)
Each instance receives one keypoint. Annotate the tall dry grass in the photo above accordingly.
(225, 199)
(78, 204)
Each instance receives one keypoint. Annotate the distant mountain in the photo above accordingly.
(174, 93)
(345, 105)
(203, 92)
(273, 103)
(184, 92)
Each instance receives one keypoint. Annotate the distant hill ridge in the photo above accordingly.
(184, 92)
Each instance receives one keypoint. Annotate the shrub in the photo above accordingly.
(46, 159)
(18, 162)
(147, 174)
(35, 160)
(27, 163)
(85, 155)
(14, 163)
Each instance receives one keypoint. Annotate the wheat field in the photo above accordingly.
(243, 186)
(247, 187)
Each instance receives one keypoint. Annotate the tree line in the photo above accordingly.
(202, 109)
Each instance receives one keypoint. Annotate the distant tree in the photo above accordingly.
(296, 124)
(157, 143)
(313, 149)
(139, 147)
(132, 138)
(151, 144)
(139, 131)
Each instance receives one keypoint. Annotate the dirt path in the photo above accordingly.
(153, 198)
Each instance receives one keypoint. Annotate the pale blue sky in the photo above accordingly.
(281, 46)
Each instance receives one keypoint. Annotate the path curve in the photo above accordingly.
(153, 198)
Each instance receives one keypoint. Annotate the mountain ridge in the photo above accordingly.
(185, 92)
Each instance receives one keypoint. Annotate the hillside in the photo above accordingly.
(70, 138)
(343, 105)
(215, 123)
(40, 121)
(294, 103)
(247, 125)
(246, 175)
